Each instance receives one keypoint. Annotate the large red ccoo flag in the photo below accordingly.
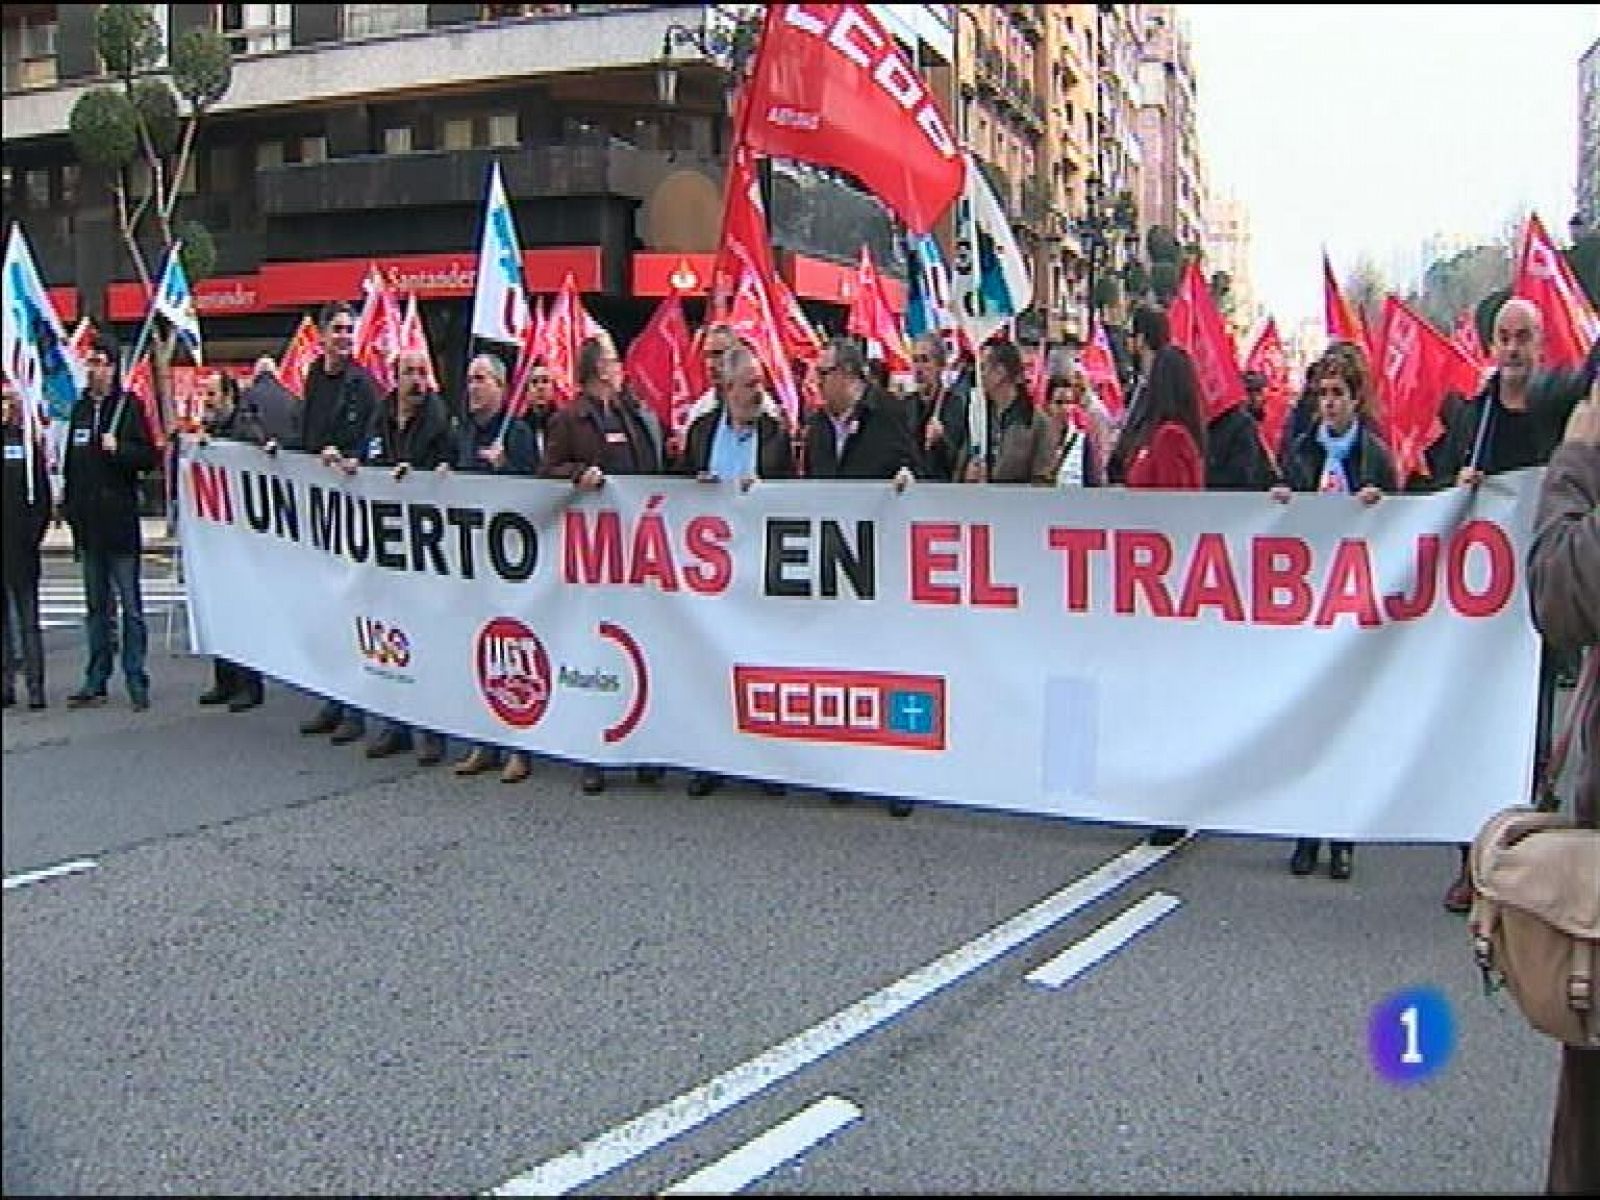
(831, 87)
(1417, 367)
(658, 366)
(1198, 327)
(1266, 358)
(1545, 278)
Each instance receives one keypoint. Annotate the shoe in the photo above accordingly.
(477, 761)
(389, 742)
(323, 722)
(244, 703)
(1458, 896)
(516, 769)
(1304, 860)
(650, 775)
(430, 750)
(593, 781)
(900, 807)
(140, 701)
(346, 732)
(1340, 855)
(214, 696)
(703, 785)
(86, 699)
(1166, 836)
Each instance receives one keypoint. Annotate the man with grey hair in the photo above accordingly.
(936, 409)
(1516, 420)
(738, 439)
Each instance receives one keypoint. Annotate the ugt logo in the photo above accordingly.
(384, 645)
(513, 672)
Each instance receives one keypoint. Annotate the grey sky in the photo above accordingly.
(1369, 129)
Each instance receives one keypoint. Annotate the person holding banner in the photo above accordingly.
(857, 434)
(274, 404)
(107, 452)
(489, 444)
(1022, 440)
(1342, 455)
(1514, 421)
(604, 432)
(338, 410)
(937, 409)
(25, 517)
(226, 415)
(410, 431)
(1564, 587)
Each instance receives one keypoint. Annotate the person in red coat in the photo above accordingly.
(1166, 447)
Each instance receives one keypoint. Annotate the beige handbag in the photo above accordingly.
(1535, 919)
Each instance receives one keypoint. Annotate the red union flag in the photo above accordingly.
(1545, 278)
(1198, 327)
(831, 87)
(744, 231)
(1417, 366)
(414, 339)
(1266, 357)
(752, 319)
(1344, 323)
(871, 317)
(657, 365)
(303, 349)
(1101, 367)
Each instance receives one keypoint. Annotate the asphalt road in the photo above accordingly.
(294, 970)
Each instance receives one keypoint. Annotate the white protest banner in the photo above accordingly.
(1214, 661)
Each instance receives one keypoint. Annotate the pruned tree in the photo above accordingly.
(134, 131)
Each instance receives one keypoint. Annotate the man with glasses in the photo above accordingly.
(107, 451)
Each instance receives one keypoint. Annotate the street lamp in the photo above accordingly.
(730, 45)
(1098, 229)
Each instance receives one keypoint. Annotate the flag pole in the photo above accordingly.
(140, 342)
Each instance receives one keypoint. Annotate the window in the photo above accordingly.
(69, 186)
(397, 140)
(372, 20)
(458, 134)
(269, 155)
(503, 129)
(29, 52)
(38, 185)
(314, 149)
(224, 168)
(257, 28)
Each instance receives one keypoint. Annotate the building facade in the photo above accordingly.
(1588, 206)
(357, 133)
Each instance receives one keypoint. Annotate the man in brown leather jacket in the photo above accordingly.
(1564, 580)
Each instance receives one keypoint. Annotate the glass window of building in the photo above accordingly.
(224, 168)
(458, 134)
(257, 28)
(397, 139)
(503, 129)
(314, 149)
(269, 155)
(371, 20)
(37, 183)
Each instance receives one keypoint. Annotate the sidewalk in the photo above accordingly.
(58, 538)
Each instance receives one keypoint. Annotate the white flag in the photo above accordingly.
(34, 343)
(175, 302)
(500, 301)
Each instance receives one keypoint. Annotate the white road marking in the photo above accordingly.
(1103, 942)
(758, 1158)
(607, 1151)
(66, 868)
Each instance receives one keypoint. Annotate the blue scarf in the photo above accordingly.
(1336, 448)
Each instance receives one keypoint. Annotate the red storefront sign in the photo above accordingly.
(818, 279)
(222, 296)
(664, 274)
(65, 300)
(306, 284)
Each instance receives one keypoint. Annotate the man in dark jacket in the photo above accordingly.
(857, 434)
(1564, 585)
(1515, 421)
(937, 410)
(603, 432)
(411, 432)
(492, 443)
(335, 417)
(107, 451)
(275, 406)
(25, 519)
(1236, 458)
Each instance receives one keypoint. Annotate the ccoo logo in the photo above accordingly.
(385, 645)
(513, 672)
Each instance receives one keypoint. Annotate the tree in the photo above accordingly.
(1161, 245)
(1484, 315)
(136, 122)
(1366, 290)
(1164, 275)
(1135, 279)
(1453, 286)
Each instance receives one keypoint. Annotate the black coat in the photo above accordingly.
(425, 443)
(774, 450)
(941, 460)
(338, 409)
(879, 447)
(1370, 463)
(521, 454)
(101, 496)
(1551, 398)
(1236, 461)
(23, 523)
(277, 408)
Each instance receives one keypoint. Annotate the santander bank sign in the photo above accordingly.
(830, 86)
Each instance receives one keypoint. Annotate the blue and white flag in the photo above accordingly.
(928, 297)
(34, 344)
(500, 298)
(991, 282)
(175, 301)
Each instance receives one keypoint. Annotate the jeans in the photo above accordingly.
(103, 572)
(21, 609)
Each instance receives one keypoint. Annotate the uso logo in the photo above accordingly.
(383, 645)
(862, 708)
(513, 672)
